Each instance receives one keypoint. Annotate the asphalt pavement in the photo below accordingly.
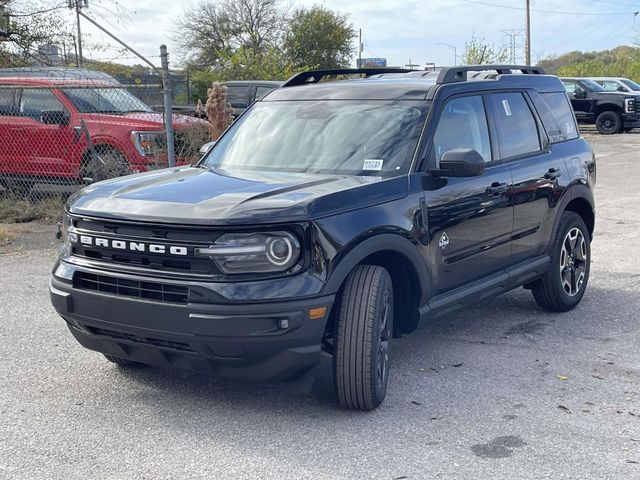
(500, 391)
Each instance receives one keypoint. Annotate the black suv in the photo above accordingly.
(333, 217)
(612, 112)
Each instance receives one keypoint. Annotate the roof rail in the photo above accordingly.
(314, 76)
(459, 74)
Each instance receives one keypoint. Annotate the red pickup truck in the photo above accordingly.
(69, 131)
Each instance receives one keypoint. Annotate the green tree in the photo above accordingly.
(478, 52)
(320, 37)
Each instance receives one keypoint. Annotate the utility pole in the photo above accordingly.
(78, 5)
(513, 39)
(527, 40)
(360, 49)
(411, 66)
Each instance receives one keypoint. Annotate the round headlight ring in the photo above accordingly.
(279, 259)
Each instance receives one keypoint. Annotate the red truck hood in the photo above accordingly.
(141, 121)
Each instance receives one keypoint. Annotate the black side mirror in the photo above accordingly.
(621, 89)
(55, 117)
(460, 162)
(580, 93)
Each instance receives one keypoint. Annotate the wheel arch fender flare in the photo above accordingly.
(376, 244)
(577, 193)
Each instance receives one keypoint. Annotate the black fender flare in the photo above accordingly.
(575, 192)
(375, 244)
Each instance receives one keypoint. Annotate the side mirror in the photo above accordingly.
(621, 89)
(460, 162)
(580, 93)
(54, 117)
(204, 149)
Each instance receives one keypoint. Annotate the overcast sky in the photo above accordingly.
(401, 30)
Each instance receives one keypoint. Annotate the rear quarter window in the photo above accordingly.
(557, 116)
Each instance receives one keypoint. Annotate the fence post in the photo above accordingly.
(168, 114)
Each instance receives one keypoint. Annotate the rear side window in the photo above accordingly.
(237, 95)
(557, 116)
(463, 124)
(262, 90)
(516, 127)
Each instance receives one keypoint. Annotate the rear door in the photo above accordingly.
(470, 218)
(538, 169)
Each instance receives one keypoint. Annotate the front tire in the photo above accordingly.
(364, 325)
(563, 286)
(609, 123)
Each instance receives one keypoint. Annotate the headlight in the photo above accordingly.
(149, 143)
(254, 252)
(69, 234)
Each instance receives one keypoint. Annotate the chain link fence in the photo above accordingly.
(60, 134)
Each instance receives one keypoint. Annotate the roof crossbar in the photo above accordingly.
(314, 76)
(459, 74)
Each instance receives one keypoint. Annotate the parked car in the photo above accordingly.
(611, 112)
(613, 84)
(241, 94)
(69, 131)
(64, 73)
(333, 217)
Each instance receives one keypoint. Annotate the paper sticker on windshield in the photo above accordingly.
(570, 128)
(507, 108)
(373, 164)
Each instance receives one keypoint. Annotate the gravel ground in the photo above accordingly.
(501, 391)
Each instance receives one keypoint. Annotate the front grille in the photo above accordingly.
(159, 292)
(190, 264)
(156, 342)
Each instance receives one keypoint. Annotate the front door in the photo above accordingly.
(470, 218)
(52, 147)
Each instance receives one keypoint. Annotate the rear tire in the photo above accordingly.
(364, 325)
(609, 123)
(104, 163)
(121, 361)
(563, 286)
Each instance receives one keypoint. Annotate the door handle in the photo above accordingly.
(553, 173)
(497, 188)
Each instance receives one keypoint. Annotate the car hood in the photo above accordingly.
(142, 121)
(195, 195)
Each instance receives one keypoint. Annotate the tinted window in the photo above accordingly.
(631, 84)
(237, 95)
(261, 91)
(515, 125)
(463, 124)
(6, 101)
(561, 110)
(36, 100)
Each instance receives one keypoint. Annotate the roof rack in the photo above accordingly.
(459, 74)
(314, 76)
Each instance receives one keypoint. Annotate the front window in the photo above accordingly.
(591, 86)
(377, 138)
(105, 100)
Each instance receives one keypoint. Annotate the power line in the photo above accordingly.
(555, 12)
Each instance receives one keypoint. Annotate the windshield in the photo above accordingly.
(631, 84)
(105, 100)
(375, 138)
(592, 86)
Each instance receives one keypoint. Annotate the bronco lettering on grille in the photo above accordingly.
(86, 240)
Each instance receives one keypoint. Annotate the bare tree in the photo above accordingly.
(211, 30)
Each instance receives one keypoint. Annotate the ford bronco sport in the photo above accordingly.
(333, 217)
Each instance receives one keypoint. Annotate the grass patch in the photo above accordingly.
(5, 237)
(21, 211)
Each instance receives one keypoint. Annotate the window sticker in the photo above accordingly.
(373, 164)
(569, 128)
(507, 108)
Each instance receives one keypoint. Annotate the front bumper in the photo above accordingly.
(631, 120)
(245, 341)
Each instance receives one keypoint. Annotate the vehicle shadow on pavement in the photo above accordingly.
(511, 323)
